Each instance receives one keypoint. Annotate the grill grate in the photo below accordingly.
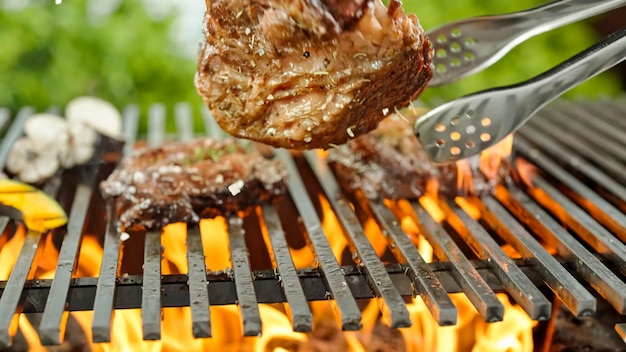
(577, 203)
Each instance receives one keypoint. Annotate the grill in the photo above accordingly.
(577, 204)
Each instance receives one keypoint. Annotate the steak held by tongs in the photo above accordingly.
(309, 73)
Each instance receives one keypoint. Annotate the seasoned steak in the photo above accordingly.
(183, 182)
(390, 163)
(309, 74)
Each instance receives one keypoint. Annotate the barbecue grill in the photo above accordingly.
(577, 202)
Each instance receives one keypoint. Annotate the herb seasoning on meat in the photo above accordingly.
(184, 182)
(390, 163)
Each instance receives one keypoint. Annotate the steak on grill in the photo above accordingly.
(309, 74)
(390, 163)
(183, 182)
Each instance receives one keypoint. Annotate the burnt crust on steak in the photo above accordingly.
(390, 163)
(306, 74)
(184, 182)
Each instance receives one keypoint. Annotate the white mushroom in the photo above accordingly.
(47, 131)
(35, 157)
(30, 163)
(96, 113)
(81, 145)
(51, 142)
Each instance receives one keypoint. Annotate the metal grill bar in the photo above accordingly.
(346, 305)
(392, 304)
(130, 124)
(574, 161)
(151, 286)
(175, 290)
(585, 127)
(246, 296)
(207, 120)
(105, 292)
(603, 280)
(156, 125)
(301, 316)
(184, 121)
(198, 288)
(425, 282)
(54, 316)
(111, 259)
(581, 223)
(151, 306)
(14, 132)
(10, 301)
(608, 164)
(485, 247)
(477, 290)
(211, 127)
(4, 222)
(601, 209)
(609, 109)
(586, 117)
(560, 281)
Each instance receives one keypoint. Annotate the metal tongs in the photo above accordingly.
(470, 124)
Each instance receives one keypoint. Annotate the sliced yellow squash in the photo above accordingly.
(38, 211)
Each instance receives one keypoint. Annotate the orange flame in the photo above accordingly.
(469, 208)
(491, 159)
(526, 171)
(10, 251)
(489, 163)
(514, 333)
(432, 208)
(470, 333)
(402, 207)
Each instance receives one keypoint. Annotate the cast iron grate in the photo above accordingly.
(577, 203)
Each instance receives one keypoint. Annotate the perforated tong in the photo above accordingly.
(468, 125)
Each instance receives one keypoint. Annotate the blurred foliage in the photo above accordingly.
(53, 53)
(530, 58)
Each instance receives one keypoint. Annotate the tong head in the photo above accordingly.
(462, 128)
(468, 46)
(470, 124)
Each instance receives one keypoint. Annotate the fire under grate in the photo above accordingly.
(577, 202)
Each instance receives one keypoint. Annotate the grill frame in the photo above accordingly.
(392, 284)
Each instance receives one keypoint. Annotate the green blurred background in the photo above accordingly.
(144, 51)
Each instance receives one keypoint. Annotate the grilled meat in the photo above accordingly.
(183, 182)
(390, 163)
(309, 73)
